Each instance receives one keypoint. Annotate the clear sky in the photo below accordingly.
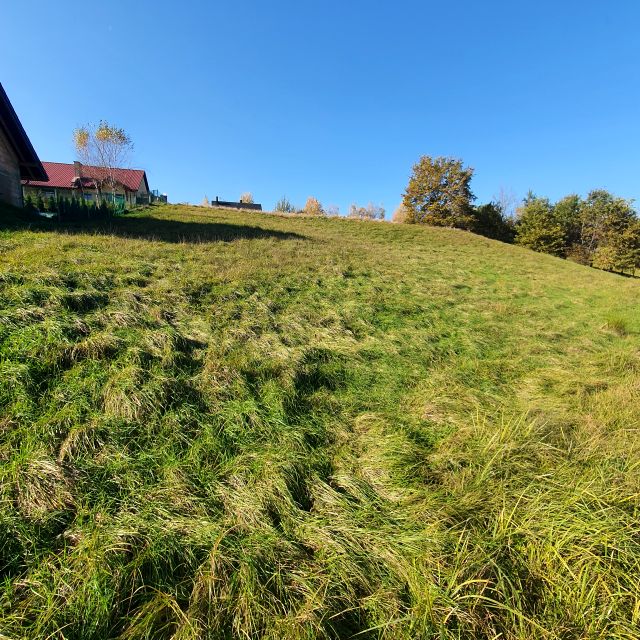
(336, 99)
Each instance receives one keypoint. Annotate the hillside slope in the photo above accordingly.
(221, 425)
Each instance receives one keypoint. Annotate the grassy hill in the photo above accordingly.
(226, 425)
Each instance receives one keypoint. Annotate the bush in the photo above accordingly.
(579, 254)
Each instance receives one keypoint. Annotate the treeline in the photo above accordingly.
(601, 230)
(72, 209)
(313, 207)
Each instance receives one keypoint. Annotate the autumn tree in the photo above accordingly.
(103, 149)
(400, 214)
(246, 197)
(313, 207)
(439, 193)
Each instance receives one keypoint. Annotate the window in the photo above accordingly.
(118, 198)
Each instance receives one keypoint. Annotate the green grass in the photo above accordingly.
(227, 425)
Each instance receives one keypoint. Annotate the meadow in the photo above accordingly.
(217, 424)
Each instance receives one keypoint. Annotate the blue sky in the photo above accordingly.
(336, 99)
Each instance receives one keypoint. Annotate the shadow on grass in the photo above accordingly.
(147, 228)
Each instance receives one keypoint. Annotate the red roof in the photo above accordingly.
(63, 175)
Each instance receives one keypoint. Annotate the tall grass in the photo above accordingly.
(227, 425)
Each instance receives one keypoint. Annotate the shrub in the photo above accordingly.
(579, 254)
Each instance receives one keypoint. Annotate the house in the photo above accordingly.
(18, 159)
(225, 204)
(126, 186)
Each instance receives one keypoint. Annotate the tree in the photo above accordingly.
(400, 214)
(333, 211)
(28, 203)
(313, 207)
(205, 202)
(51, 205)
(610, 232)
(370, 212)
(103, 149)
(537, 228)
(601, 216)
(439, 193)
(246, 198)
(506, 201)
(284, 206)
(621, 253)
(567, 214)
(490, 221)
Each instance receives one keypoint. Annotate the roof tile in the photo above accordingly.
(61, 176)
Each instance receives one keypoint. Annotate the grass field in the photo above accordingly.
(226, 425)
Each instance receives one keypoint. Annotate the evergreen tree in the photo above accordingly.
(567, 214)
(489, 221)
(51, 205)
(537, 227)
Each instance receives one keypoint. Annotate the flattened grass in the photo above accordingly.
(217, 424)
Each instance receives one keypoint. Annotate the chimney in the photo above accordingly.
(78, 168)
